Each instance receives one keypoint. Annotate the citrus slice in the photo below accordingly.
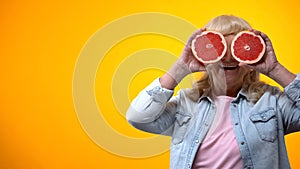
(209, 47)
(247, 47)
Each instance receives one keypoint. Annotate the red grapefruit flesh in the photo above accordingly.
(209, 47)
(247, 47)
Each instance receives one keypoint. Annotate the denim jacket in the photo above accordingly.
(259, 128)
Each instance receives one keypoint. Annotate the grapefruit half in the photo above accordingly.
(209, 47)
(247, 47)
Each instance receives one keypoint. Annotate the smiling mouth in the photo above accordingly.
(229, 67)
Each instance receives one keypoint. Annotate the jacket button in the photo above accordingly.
(242, 143)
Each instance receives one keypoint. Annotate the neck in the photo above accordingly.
(226, 90)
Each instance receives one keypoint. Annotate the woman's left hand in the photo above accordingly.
(269, 60)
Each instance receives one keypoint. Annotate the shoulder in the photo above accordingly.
(190, 94)
(260, 90)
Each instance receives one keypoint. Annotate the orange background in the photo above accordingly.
(40, 43)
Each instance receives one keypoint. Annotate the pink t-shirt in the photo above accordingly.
(219, 148)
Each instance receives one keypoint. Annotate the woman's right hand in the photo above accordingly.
(185, 65)
(187, 59)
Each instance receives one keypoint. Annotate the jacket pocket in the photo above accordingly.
(266, 124)
(180, 127)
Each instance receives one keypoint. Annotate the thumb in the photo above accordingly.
(245, 65)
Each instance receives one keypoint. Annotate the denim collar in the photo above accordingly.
(208, 96)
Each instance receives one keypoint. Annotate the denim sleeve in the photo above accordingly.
(293, 90)
(290, 106)
(153, 110)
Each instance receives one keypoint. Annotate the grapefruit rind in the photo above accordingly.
(223, 41)
(260, 55)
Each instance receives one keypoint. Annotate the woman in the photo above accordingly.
(229, 119)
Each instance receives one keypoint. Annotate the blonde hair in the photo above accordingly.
(229, 24)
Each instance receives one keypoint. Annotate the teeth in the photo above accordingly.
(228, 66)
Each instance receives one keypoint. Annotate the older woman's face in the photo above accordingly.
(226, 73)
(230, 65)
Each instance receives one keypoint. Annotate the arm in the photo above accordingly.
(270, 66)
(185, 65)
(281, 75)
(152, 110)
(275, 70)
(289, 100)
(289, 103)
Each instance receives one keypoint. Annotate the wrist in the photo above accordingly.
(281, 75)
(275, 71)
(175, 74)
(178, 71)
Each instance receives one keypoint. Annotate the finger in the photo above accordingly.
(203, 29)
(263, 35)
(257, 32)
(197, 32)
(193, 36)
(201, 67)
(242, 64)
(267, 40)
(245, 65)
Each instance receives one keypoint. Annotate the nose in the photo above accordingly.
(228, 58)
